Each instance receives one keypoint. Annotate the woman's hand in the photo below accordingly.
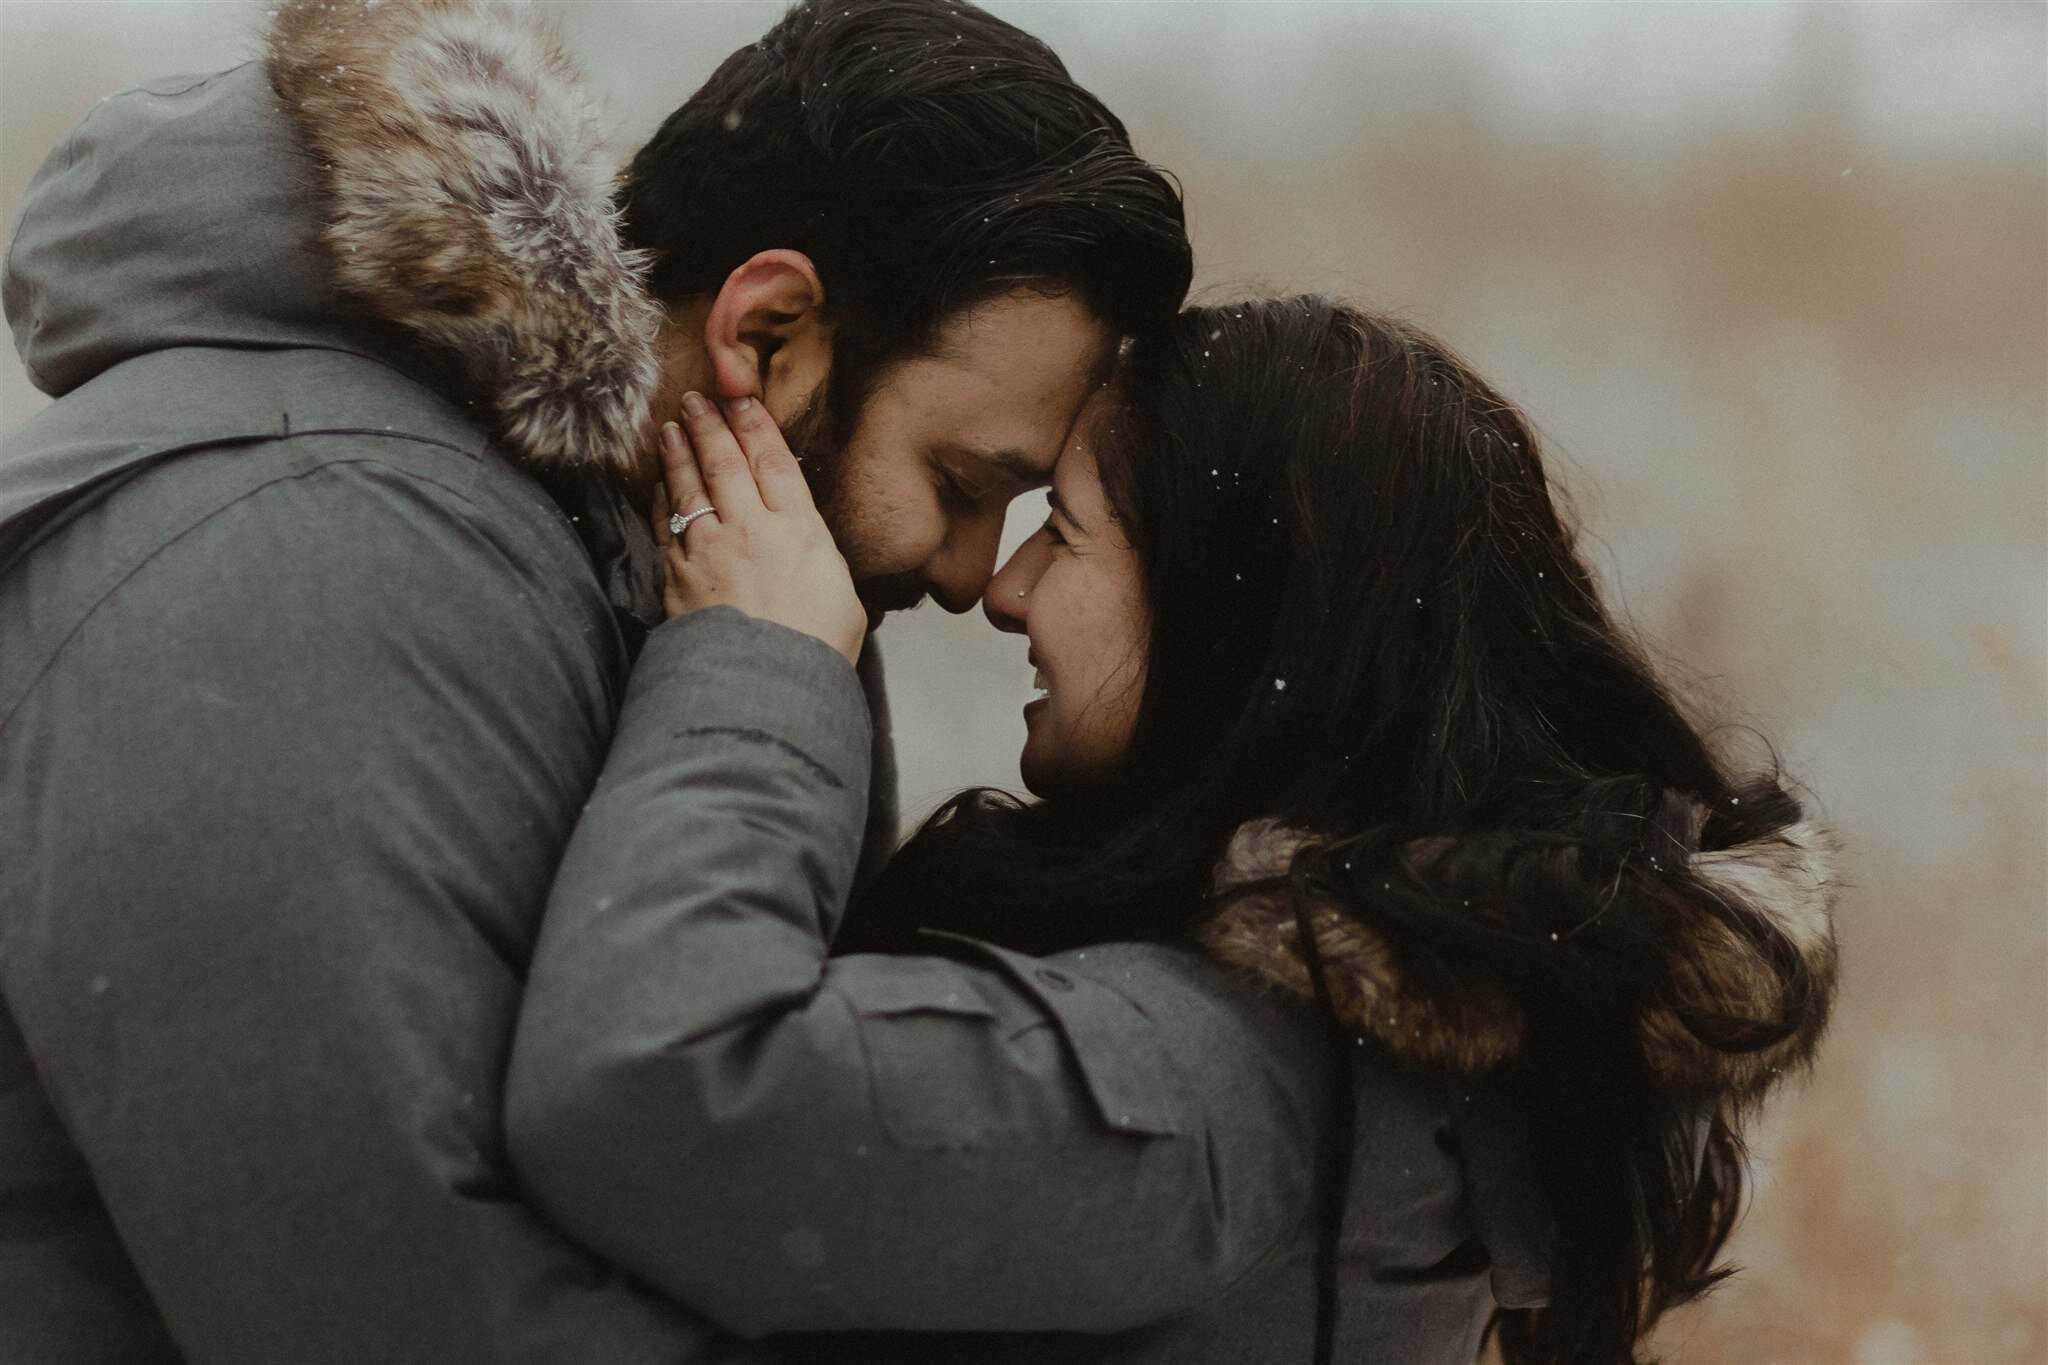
(765, 550)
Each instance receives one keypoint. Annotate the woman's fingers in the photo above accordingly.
(673, 565)
(728, 478)
(776, 472)
(662, 535)
(785, 568)
(679, 464)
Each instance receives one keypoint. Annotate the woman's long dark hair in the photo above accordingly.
(1370, 621)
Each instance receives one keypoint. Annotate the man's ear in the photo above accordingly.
(765, 334)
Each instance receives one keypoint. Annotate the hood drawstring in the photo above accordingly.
(1334, 1180)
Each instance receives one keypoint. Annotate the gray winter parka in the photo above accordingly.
(304, 681)
(1109, 1154)
(1105, 1155)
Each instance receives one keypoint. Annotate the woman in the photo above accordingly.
(1387, 954)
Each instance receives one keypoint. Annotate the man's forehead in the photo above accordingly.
(1035, 450)
(1006, 407)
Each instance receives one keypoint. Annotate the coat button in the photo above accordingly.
(1058, 980)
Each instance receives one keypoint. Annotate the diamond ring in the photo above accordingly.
(680, 522)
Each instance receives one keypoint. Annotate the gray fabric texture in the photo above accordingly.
(1104, 1155)
(302, 687)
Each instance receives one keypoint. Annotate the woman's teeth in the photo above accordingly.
(1039, 685)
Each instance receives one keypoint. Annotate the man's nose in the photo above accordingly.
(961, 575)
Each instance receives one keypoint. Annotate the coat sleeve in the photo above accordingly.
(790, 1142)
(295, 790)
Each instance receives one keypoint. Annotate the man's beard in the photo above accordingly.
(812, 440)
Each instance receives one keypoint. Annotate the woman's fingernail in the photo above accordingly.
(694, 404)
(742, 403)
(671, 434)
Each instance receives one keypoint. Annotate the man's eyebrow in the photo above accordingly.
(1012, 461)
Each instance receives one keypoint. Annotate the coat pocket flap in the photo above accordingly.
(884, 986)
(1115, 1046)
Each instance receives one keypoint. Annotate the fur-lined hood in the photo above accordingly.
(464, 195)
(1787, 878)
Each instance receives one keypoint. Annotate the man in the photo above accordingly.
(320, 580)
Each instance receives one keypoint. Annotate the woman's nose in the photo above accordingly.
(1009, 592)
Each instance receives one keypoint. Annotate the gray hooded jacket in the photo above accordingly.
(975, 1156)
(1109, 1154)
(304, 681)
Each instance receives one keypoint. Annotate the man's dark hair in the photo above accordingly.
(927, 157)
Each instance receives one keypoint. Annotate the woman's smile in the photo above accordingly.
(1076, 591)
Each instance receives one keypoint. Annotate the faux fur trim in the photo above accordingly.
(467, 199)
(1787, 877)
(1257, 931)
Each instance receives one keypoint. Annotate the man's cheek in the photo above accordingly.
(883, 537)
(855, 538)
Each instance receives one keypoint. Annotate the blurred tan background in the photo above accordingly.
(1774, 280)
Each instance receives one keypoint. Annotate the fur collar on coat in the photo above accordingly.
(465, 196)
(1786, 878)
